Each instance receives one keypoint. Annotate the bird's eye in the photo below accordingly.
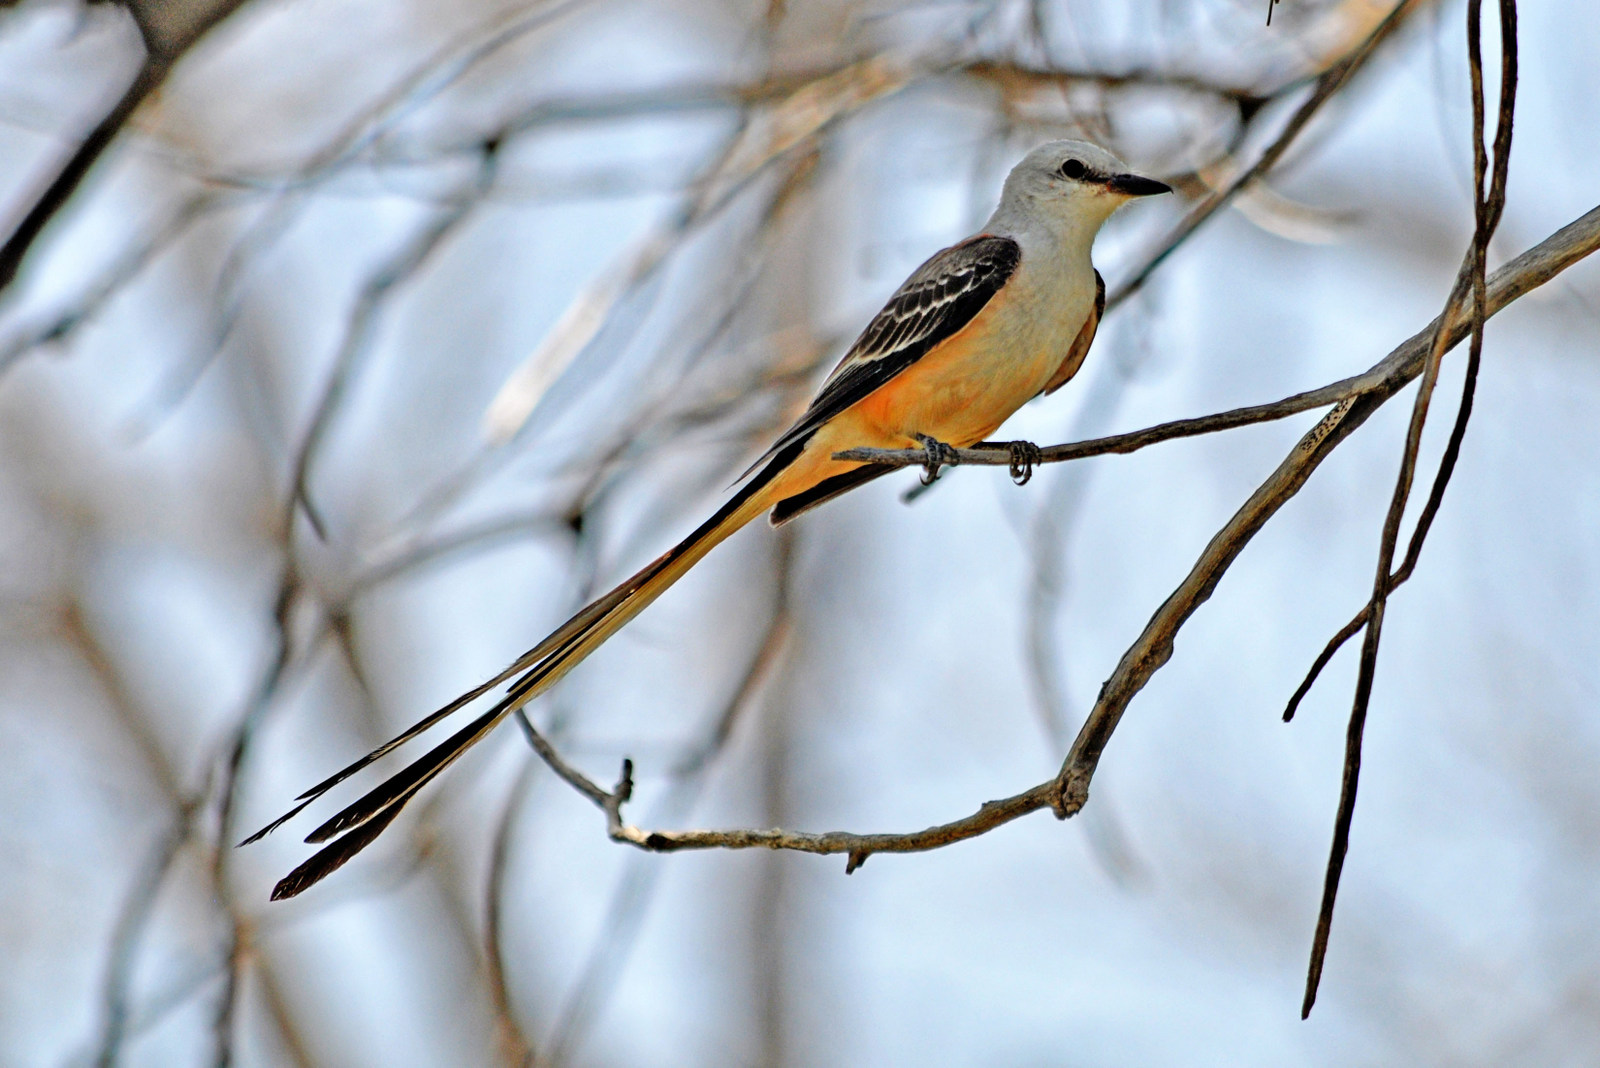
(1073, 169)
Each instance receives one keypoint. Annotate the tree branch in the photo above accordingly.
(1469, 279)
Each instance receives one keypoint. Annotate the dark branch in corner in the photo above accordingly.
(164, 45)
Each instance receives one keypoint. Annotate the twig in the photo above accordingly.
(1487, 212)
(1132, 441)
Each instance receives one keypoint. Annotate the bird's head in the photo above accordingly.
(1070, 186)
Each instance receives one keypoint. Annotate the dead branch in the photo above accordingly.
(1488, 209)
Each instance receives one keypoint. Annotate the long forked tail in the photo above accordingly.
(357, 826)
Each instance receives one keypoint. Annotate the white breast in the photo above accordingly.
(1053, 295)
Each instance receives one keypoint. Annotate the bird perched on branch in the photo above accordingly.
(977, 331)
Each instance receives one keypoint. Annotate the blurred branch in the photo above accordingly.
(636, 889)
(664, 409)
(127, 267)
(513, 1042)
(169, 30)
(1326, 86)
(139, 902)
(362, 326)
(348, 146)
(1015, 77)
(237, 949)
(1066, 794)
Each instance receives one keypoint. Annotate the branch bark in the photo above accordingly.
(1154, 646)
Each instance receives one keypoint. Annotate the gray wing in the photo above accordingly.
(940, 297)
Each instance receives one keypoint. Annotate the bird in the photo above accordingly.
(974, 333)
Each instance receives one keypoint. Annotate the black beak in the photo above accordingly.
(1131, 185)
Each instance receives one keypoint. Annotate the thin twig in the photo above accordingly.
(1132, 441)
(1487, 212)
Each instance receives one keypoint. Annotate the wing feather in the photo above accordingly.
(934, 304)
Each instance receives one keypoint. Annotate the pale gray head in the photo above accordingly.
(1068, 188)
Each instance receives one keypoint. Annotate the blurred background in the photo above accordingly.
(382, 335)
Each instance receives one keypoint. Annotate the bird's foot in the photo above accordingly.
(939, 455)
(1025, 456)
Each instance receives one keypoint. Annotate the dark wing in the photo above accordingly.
(940, 297)
(1081, 343)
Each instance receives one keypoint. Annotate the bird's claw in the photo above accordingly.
(1025, 455)
(939, 455)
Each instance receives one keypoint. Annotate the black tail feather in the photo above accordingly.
(405, 782)
(561, 637)
(359, 824)
(326, 861)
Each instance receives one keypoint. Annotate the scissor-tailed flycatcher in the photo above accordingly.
(977, 331)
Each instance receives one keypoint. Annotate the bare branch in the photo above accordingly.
(1533, 268)
(986, 455)
(1470, 278)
